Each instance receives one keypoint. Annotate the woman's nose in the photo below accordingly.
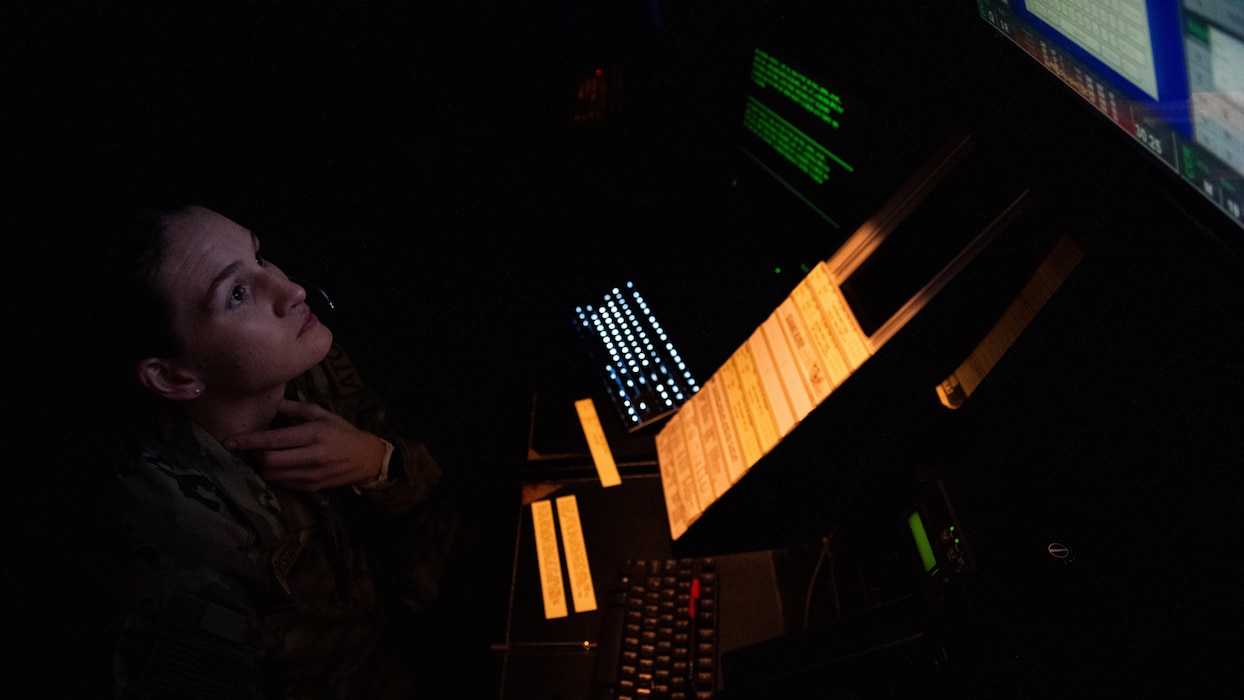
(288, 294)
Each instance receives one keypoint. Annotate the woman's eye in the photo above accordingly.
(237, 295)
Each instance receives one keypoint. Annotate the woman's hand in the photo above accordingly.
(322, 451)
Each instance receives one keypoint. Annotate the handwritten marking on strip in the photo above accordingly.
(581, 589)
(602, 457)
(549, 560)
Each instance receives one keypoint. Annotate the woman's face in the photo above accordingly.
(244, 327)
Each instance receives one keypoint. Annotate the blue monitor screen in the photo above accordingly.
(1169, 73)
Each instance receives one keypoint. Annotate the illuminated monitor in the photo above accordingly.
(1168, 73)
(805, 130)
(643, 374)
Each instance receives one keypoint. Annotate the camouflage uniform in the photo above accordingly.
(234, 588)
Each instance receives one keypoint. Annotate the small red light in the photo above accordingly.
(599, 72)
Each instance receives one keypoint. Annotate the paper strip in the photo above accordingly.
(1039, 289)
(674, 507)
(602, 457)
(550, 563)
(581, 589)
(845, 327)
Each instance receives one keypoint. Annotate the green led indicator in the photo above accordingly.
(777, 270)
(805, 268)
(922, 541)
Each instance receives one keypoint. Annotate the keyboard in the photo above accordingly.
(662, 616)
(644, 375)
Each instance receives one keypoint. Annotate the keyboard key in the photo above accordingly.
(669, 650)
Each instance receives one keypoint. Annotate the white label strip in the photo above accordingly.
(669, 477)
(771, 382)
(1039, 289)
(550, 563)
(845, 327)
(581, 589)
(602, 457)
(714, 393)
(815, 375)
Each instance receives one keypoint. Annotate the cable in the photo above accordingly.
(816, 572)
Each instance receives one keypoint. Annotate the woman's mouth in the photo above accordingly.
(308, 324)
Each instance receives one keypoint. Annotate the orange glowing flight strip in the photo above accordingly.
(602, 456)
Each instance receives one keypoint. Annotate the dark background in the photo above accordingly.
(422, 164)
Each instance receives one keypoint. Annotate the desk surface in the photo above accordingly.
(546, 658)
(760, 598)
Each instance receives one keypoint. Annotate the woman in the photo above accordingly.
(272, 538)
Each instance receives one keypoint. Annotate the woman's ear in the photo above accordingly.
(165, 378)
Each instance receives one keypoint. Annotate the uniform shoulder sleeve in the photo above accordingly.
(183, 590)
